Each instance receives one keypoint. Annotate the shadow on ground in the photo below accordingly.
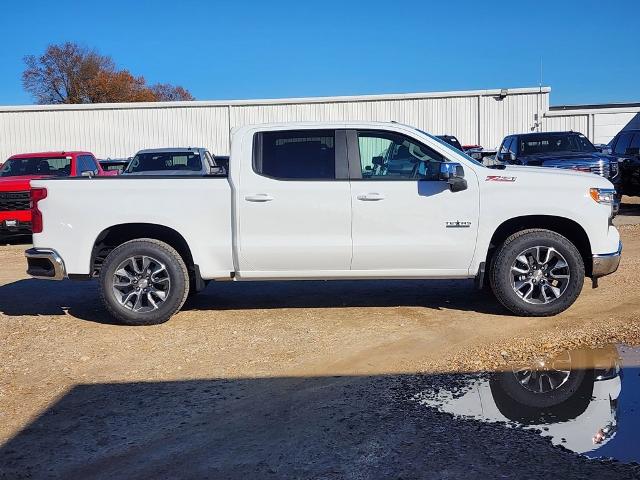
(629, 209)
(329, 428)
(81, 299)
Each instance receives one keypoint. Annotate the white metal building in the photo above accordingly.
(600, 123)
(119, 130)
(481, 117)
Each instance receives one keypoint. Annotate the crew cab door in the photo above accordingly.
(293, 205)
(406, 222)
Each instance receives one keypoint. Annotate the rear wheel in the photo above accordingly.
(143, 282)
(537, 273)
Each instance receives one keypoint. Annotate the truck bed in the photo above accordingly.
(199, 208)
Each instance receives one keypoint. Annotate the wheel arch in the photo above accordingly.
(570, 229)
(116, 235)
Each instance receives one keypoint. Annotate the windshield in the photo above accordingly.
(165, 161)
(56, 166)
(546, 143)
(451, 148)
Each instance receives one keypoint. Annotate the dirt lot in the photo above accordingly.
(60, 353)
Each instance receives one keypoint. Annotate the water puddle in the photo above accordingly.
(588, 401)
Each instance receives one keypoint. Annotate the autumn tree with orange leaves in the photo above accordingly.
(69, 73)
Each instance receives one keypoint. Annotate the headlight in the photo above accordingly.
(603, 195)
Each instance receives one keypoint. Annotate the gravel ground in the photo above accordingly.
(288, 379)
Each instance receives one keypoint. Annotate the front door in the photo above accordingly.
(406, 222)
(294, 208)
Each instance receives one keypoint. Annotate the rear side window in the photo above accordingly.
(295, 155)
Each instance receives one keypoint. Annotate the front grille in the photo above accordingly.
(601, 169)
(12, 201)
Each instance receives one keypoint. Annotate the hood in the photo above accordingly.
(543, 173)
(560, 158)
(18, 183)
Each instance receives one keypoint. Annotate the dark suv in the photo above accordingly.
(625, 146)
(570, 150)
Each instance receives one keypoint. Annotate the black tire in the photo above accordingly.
(176, 271)
(564, 406)
(511, 385)
(500, 272)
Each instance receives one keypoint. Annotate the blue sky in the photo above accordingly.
(240, 49)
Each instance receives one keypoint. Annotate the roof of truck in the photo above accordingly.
(169, 150)
(50, 154)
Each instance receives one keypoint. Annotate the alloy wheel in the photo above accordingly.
(540, 275)
(141, 283)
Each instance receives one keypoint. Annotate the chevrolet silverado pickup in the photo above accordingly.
(19, 170)
(357, 200)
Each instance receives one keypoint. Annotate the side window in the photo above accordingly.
(635, 143)
(295, 155)
(506, 145)
(390, 156)
(623, 143)
(86, 163)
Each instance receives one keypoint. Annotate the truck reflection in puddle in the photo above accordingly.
(584, 400)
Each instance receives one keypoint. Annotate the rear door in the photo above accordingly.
(406, 222)
(294, 206)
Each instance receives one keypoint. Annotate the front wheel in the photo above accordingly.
(537, 273)
(143, 282)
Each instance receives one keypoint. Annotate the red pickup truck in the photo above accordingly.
(19, 170)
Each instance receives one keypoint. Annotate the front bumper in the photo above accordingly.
(606, 264)
(45, 263)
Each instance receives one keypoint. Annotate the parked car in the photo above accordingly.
(303, 201)
(625, 146)
(569, 150)
(19, 170)
(171, 161)
(476, 152)
(116, 165)
(451, 140)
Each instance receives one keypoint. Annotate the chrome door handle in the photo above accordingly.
(370, 197)
(258, 197)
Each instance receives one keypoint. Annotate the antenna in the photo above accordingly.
(540, 73)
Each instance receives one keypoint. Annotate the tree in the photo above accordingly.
(69, 73)
(168, 93)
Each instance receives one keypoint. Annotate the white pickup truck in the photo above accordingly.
(356, 200)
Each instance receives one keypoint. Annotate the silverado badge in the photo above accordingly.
(457, 224)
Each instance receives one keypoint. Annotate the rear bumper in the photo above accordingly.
(45, 263)
(606, 264)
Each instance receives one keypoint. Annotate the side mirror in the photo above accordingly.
(508, 157)
(632, 151)
(87, 173)
(453, 174)
(217, 170)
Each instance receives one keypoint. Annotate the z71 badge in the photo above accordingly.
(457, 224)
(500, 178)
